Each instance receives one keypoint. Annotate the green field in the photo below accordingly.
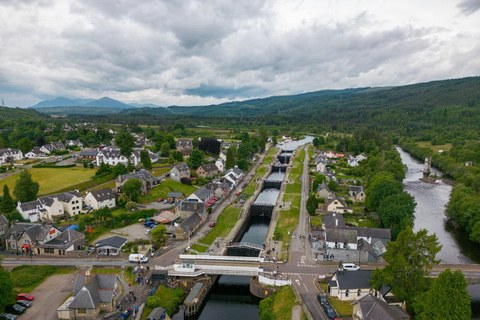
(428, 144)
(52, 179)
(226, 221)
(287, 221)
(199, 248)
(160, 191)
(279, 305)
(295, 187)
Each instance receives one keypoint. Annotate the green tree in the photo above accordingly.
(131, 206)
(85, 164)
(396, 212)
(145, 159)
(119, 169)
(81, 225)
(230, 162)
(242, 164)
(123, 199)
(332, 185)
(380, 190)
(316, 142)
(447, 298)
(132, 188)
(409, 260)
(130, 166)
(126, 142)
(25, 188)
(25, 145)
(7, 204)
(312, 205)
(153, 302)
(165, 150)
(6, 287)
(158, 234)
(15, 216)
(177, 155)
(196, 159)
(319, 179)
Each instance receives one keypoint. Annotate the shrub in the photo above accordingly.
(153, 302)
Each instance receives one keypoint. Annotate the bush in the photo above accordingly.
(53, 166)
(186, 181)
(153, 302)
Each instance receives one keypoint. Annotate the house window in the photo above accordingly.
(347, 293)
(82, 310)
(359, 292)
(26, 242)
(49, 250)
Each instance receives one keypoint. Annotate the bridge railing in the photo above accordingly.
(221, 258)
(244, 244)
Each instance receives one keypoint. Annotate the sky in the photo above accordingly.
(208, 52)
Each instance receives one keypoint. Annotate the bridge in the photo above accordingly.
(244, 245)
(243, 249)
(263, 204)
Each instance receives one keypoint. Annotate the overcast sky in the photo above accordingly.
(204, 52)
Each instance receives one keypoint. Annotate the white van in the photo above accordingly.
(348, 267)
(137, 257)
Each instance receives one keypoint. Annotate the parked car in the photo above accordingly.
(15, 309)
(25, 296)
(166, 201)
(329, 311)
(24, 303)
(7, 316)
(160, 200)
(322, 299)
(212, 224)
(148, 231)
(348, 267)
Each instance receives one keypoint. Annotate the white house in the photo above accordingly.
(43, 209)
(338, 205)
(220, 165)
(361, 157)
(36, 152)
(351, 285)
(352, 162)
(111, 155)
(233, 176)
(10, 154)
(47, 148)
(341, 239)
(321, 164)
(100, 198)
(74, 143)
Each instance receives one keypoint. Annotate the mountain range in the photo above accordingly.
(104, 102)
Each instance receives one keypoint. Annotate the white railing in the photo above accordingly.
(217, 270)
(221, 258)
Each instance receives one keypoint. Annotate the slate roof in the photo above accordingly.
(363, 245)
(356, 189)
(37, 151)
(354, 279)
(341, 235)
(141, 175)
(185, 143)
(329, 221)
(3, 220)
(88, 153)
(27, 206)
(209, 167)
(182, 167)
(191, 206)
(102, 194)
(35, 231)
(100, 288)
(114, 241)
(191, 222)
(9, 152)
(203, 193)
(373, 232)
(373, 308)
(156, 313)
(64, 240)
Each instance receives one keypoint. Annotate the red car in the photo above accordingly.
(160, 200)
(212, 224)
(25, 296)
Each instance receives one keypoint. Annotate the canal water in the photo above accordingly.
(430, 212)
(230, 297)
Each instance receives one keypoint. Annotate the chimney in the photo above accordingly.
(336, 222)
(87, 276)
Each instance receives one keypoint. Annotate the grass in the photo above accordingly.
(199, 248)
(110, 184)
(52, 180)
(226, 221)
(159, 171)
(105, 271)
(170, 299)
(428, 144)
(342, 307)
(358, 220)
(26, 278)
(294, 198)
(295, 187)
(287, 221)
(279, 305)
(316, 220)
(160, 191)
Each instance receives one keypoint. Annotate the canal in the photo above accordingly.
(230, 297)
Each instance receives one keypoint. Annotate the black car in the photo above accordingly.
(24, 303)
(7, 316)
(15, 309)
(329, 311)
(322, 299)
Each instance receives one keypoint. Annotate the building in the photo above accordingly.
(184, 144)
(74, 143)
(88, 154)
(174, 197)
(207, 170)
(356, 193)
(4, 226)
(7, 155)
(158, 314)
(321, 162)
(373, 308)
(166, 217)
(50, 208)
(341, 239)
(100, 198)
(323, 191)
(333, 220)
(94, 294)
(36, 152)
(220, 165)
(180, 171)
(351, 285)
(186, 207)
(24, 237)
(110, 246)
(111, 155)
(336, 204)
(68, 240)
(233, 176)
(187, 227)
(145, 177)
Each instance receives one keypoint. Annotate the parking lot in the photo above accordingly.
(50, 295)
(135, 231)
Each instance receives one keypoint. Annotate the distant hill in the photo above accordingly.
(145, 105)
(107, 102)
(20, 114)
(104, 103)
(63, 111)
(60, 101)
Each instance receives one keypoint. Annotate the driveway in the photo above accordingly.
(50, 295)
(132, 232)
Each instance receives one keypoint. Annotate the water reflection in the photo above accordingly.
(295, 144)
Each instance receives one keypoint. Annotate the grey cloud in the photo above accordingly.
(468, 7)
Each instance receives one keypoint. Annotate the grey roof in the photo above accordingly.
(184, 143)
(156, 313)
(18, 228)
(174, 195)
(65, 196)
(27, 206)
(100, 288)
(88, 153)
(373, 308)
(182, 167)
(115, 241)
(191, 222)
(191, 206)
(35, 231)
(9, 152)
(334, 197)
(354, 279)
(356, 189)
(373, 232)
(37, 151)
(141, 175)
(237, 171)
(341, 235)
(203, 193)
(3, 220)
(209, 167)
(329, 220)
(102, 194)
(363, 245)
(70, 235)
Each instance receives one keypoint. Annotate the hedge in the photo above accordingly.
(53, 166)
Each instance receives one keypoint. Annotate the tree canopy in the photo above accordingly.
(132, 188)
(25, 188)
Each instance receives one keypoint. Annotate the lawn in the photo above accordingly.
(26, 278)
(52, 179)
(170, 299)
(199, 248)
(279, 305)
(260, 172)
(110, 184)
(287, 221)
(295, 187)
(226, 221)
(160, 191)
(295, 199)
(159, 171)
(428, 144)
(343, 308)
(316, 220)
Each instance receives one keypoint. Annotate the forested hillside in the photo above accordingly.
(20, 114)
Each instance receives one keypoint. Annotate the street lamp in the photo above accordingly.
(348, 257)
